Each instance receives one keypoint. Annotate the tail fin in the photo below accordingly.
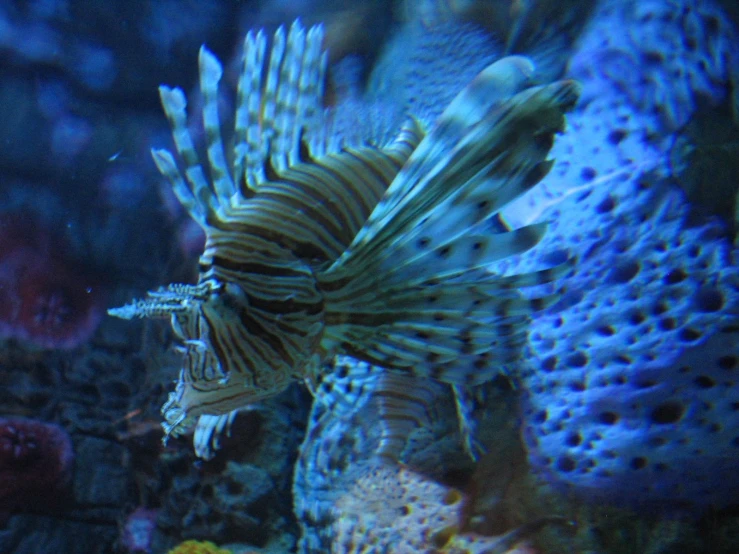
(413, 290)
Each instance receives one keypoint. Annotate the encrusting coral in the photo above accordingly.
(393, 507)
(36, 462)
(198, 547)
(46, 299)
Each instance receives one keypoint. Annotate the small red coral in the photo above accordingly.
(44, 299)
(36, 462)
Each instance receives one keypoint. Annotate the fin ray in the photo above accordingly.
(423, 256)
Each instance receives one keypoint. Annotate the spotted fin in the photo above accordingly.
(413, 290)
(401, 402)
(465, 404)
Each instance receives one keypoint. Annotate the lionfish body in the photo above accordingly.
(315, 248)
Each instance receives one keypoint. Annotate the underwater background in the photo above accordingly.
(617, 431)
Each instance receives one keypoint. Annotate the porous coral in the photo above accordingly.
(638, 391)
(630, 386)
(393, 507)
(667, 56)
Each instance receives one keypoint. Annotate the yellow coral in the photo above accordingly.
(392, 508)
(198, 547)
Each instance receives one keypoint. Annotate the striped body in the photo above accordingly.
(264, 308)
(315, 248)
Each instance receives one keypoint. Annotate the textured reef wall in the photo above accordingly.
(65, 486)
(631, 391)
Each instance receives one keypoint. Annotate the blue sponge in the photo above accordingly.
(668, 56)
(632, 388)
(632, 383)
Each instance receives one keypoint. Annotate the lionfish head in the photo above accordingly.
(254, 321)
(229, 361)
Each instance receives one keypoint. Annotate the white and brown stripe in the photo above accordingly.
(380, 252)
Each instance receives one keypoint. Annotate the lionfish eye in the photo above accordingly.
(232, 296)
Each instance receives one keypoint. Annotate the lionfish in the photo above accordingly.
(316, 248)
